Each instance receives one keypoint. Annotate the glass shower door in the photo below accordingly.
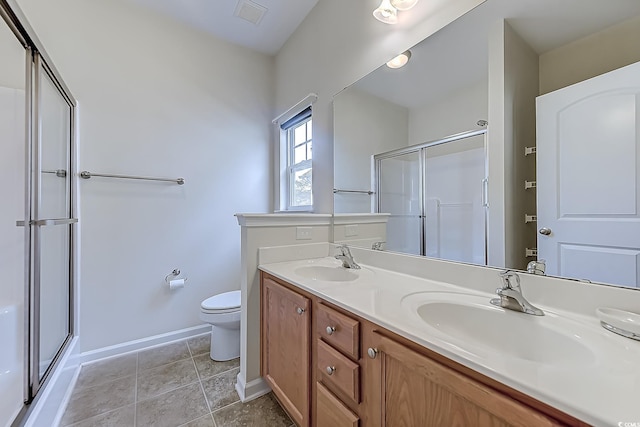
(51, 225)
(400, 194)
(455, 211)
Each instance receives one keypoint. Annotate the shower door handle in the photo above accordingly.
(485, 190)
(53, 221)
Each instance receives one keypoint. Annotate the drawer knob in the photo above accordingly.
(300, 310)
(331, 370)
(372, 352)
(330, 330)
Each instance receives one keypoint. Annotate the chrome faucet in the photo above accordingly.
(346, 258)
(511, 295)
(537, 267)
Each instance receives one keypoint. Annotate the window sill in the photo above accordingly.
(310, 210)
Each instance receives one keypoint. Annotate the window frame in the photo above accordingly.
(284, 172)
(291, 168)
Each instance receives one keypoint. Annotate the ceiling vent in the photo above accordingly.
(250, 11)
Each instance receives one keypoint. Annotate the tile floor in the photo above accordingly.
(173, 385)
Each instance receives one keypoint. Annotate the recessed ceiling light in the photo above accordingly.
(400, 60)
(250, 11)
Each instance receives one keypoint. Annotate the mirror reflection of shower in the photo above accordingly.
(436, 195)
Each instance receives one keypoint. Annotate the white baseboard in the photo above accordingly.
(137, 345)
(251, 390)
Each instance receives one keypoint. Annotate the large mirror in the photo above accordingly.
(511, 138)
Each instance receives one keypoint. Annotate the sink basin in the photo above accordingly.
(470, 322)
(326, 274)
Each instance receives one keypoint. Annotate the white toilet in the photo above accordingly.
(223, 312)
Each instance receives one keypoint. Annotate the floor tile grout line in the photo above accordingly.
(226, 406)
(206, 400)
(146, 399)
(220, 373)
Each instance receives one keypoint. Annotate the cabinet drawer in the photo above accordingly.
(337, 370)
(332, 412)
(341, 331)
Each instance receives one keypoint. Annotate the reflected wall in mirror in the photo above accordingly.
(546, 77)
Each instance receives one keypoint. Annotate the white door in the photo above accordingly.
(588, 179)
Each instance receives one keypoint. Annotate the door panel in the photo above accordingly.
(51, 219)
(400, 194)
(55, 136)
(54, 292)
(588, 178)
(285, 347)
(600, 263)
(597, 168)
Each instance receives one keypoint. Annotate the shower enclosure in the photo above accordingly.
(37, 216)
(436, 195)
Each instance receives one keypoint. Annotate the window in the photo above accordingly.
(297, 144)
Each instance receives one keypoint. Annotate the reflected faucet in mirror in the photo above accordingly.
(378, 246)
(537, 267)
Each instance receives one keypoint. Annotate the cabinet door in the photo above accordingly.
(286, 329)
(414, 390)
(332, 412)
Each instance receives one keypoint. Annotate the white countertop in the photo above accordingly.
(603, 389)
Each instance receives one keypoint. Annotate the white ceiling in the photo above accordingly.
(217, 18)
(456, 56)
(452, 58)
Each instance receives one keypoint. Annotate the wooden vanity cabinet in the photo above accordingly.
(286, 334)
(414, 390)
(376, 378)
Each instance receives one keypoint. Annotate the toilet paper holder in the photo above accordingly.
(173, 275)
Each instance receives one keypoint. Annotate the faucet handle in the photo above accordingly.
(506, 276)
(344, 250)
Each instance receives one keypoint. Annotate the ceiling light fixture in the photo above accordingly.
(386, 13)
(400, 60)
(403, 4)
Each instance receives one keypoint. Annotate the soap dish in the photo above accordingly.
(621, 322)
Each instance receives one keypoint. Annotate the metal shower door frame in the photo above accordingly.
(36, 62)
(422, 149)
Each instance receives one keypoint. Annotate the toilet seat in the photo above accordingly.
(226, 302)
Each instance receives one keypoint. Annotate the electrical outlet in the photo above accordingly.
(303, 233)
(351, 230)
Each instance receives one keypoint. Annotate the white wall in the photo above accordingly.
(590, 56)
(158, 99)
(513, 86)
(259, 231)
(337, 44)
(457, 113)
(364, 125)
